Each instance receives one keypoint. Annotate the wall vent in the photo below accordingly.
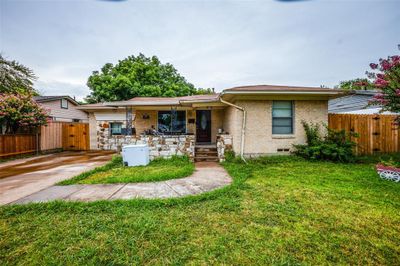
(283, 150)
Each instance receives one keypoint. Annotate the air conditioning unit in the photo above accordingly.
(134, 155)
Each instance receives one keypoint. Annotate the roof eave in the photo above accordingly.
(95, 107)
(333, 92)
(57, 98)
(198, 101)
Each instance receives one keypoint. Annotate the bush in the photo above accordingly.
(335, 145)
(229, 156)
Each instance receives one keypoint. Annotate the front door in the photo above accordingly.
(203, 126)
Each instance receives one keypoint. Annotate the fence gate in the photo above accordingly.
(75, 136)
(377, 133)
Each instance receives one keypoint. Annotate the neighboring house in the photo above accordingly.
(356, 102)
(250, 120)
(62, 108)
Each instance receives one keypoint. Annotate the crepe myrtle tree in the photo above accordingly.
(385, 76)
(20, 110)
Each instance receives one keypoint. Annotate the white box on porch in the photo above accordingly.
(134, 155)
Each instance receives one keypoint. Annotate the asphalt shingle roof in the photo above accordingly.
(357, 101)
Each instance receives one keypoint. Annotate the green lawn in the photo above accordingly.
(279, 210)
(114, 172)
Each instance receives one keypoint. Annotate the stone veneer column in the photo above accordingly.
(224, 143)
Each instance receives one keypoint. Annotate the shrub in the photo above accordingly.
(312, 133)
(229, 156)
(335, 145)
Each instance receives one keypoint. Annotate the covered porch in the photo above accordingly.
(177, 126)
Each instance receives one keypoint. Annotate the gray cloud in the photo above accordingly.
(55, 88)
(212, 43)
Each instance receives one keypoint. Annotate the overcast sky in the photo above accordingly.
(217, 44)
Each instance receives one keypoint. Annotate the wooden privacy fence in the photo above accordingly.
(11, 145)
(53, 136)
(377, 133)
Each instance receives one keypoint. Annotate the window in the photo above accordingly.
(282, 117)
(116, 128)
(76, 120)
(172, 121)
(64, 103)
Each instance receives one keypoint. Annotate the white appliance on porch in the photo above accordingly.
(134, 155)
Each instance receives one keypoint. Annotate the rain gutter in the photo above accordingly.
(243, 125)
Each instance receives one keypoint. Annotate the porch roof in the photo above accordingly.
(157, 101)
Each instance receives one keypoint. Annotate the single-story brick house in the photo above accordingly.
(250, 120)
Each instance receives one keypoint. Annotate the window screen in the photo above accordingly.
(282, 117)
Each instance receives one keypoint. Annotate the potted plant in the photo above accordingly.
(389, 170)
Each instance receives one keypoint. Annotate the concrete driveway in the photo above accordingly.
(23, 177)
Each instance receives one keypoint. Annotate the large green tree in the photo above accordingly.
(15, 77)
(138, 76)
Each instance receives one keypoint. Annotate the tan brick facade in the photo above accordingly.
(259, 138)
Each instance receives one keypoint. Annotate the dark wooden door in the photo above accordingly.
(203, 126)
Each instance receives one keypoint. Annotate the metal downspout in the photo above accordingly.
(243, 126)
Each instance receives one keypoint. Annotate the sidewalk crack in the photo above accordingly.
(179, 194)
(116, 191)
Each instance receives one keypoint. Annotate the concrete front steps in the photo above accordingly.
(206, 153)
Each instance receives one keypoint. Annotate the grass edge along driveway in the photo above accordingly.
(159, 169)
(279, 210)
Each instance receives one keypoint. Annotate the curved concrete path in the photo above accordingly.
(207, 177)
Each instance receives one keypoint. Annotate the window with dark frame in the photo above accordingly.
(116, 128)
(172, 122)
(64, 103)
(282, 117)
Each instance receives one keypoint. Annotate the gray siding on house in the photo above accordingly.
(67, 115)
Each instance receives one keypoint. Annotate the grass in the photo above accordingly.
(279, 210)
(114, 172)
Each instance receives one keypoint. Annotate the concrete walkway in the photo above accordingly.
(207, 177)
(23, 177)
